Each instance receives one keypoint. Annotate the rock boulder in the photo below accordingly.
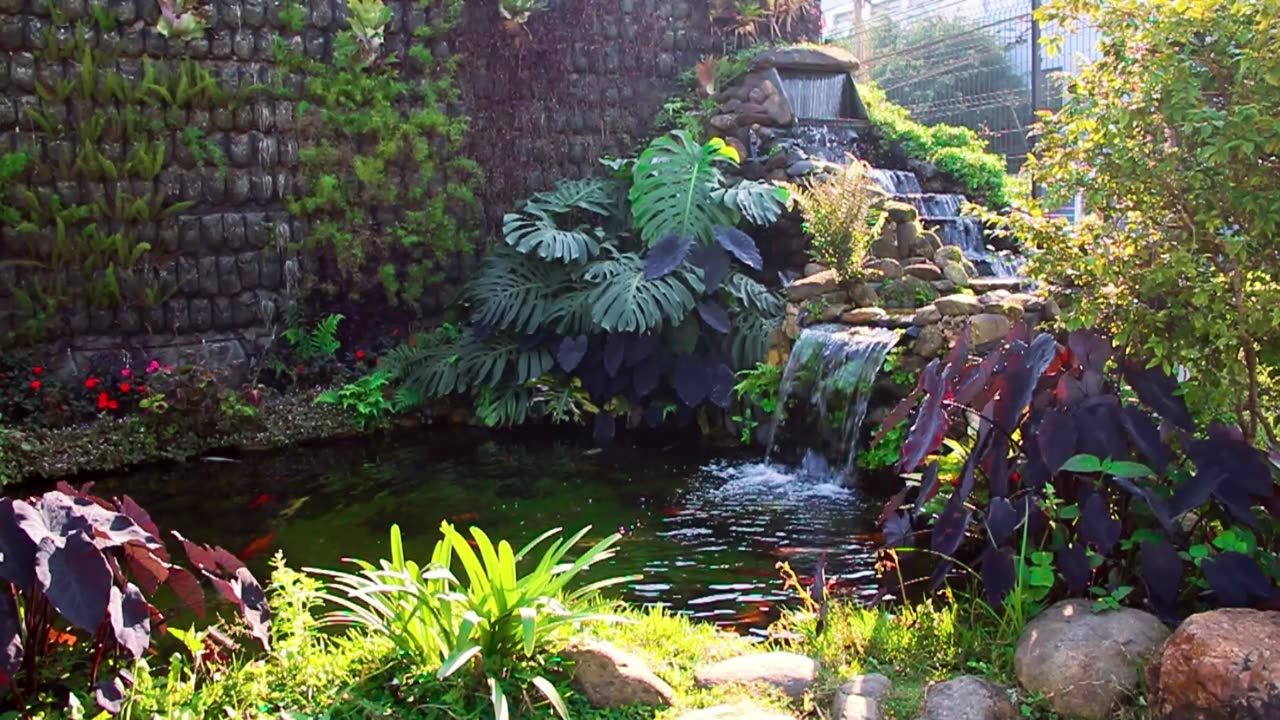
(958, 304)
(791, 673)
(859, 699)
(608, 677)
(1086, 663)
(1219, 665)
(968, 698)
(810, 287)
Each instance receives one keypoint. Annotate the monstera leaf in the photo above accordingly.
(536, 233)
(753, 296)
(594, 195)
(624, 301)
(512, 293)
(675, 186)
(761, 203)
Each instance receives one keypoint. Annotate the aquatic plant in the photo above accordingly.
(489, 624)
(75, 563)
(1068, 462)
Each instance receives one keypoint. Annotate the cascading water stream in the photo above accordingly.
(816, 96)
(837, 366)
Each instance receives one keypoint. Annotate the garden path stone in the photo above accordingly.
(968, 698)
(1223, 665)
(859, 698)
(1083, 662)
(791, 673)
(734, 711)
(608, 677)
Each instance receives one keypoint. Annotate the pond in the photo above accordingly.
(705, 532)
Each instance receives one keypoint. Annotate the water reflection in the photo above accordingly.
(705, 534)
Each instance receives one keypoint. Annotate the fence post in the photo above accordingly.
(1035, 75)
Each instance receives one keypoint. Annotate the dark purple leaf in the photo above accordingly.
(640, 348)
(1158, 391)
(17, 551)
(690, 378)
(1056, 439)
(998, 575)
(1036, 473)
(1089, 350)
(603, 428)
(187, 588)
(130, 619)
(939, 574)
(653, 415)
(897, 415)
(1236, 580)
(720, 386)
(529, 342)
(949, 527)
(199, 555)
(958, 358)
(227, 562)
(110, 695)
(1002, 519)
(973, 381)
(1195, 490)
(892, 505)
(76, 579)
(1162, 572)
(1145, 436)
(1248, 466)
(714, 262)
(897, 531)
(1073, 563)
(254, 606)
(928, 486)
(52, 515)
(1099, 430)
(1096, 526)
(739, 245)
(134, 512)
(714, 315)
(644, 378)
(1031, 512)
(931, 423)
(10, 639)
(615, 351)
(571, 351)
(148, 570)
(666, 255)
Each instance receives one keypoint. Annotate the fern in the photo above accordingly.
(535, 232)
(321, 342)
(512, 293)
(674, 189)
(624, 301)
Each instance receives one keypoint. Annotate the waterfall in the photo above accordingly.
(815, 96)
(837, 367)
(897, 182)
(966, 234)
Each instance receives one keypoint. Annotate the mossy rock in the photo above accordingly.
(907, 292)
(900, 212)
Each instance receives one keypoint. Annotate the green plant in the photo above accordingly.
(366, 398)
(368, 20)
(180, 19)
(884, 452)
(841, 217)
(1170, 147)
(320, 343)
(757, 388)
(958, 152)
(493, 623)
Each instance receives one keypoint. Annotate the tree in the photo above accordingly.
(954, 71)
(1173, 138)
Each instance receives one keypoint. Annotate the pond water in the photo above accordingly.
(705, 532)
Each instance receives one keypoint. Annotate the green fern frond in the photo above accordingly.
(535, 232)
(512, 292)
(753, 296)
(674, 186)
(624, 301)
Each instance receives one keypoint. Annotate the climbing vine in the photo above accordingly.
(385, 190)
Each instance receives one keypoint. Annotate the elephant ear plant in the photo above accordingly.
(1078, 482)
(489, 625)
(74, 563)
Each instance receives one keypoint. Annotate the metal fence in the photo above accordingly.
(961, 62)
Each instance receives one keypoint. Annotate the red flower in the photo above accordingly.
(35, 384)
(91, 383)
(125, 387)
(359, 354)
(37, 370)
(395, 331)
(103, 401)
(113, 405)
(300, 369)
(140, 390)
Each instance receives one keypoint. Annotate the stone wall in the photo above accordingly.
(585, 78)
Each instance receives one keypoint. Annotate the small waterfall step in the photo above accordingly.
(933, 205)
(897, 182)
(837, 367)
(982, 285)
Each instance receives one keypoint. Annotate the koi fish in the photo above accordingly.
(61, 638)
(257, 546)
(466, 517)
(260, 500)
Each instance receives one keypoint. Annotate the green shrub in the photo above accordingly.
(841, 217)
(366, 398)
(492, 624)
(956, 151)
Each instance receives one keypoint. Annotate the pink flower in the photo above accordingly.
(153, 366)
(126, 373)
